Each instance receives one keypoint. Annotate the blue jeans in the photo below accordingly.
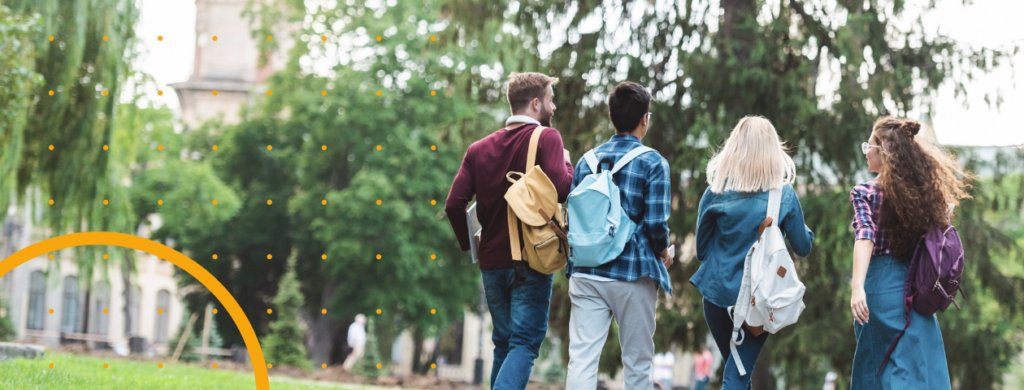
(721, 329)
(519, 314)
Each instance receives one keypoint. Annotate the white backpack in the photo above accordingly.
(770, 296)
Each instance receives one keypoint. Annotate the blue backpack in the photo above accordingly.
(598, 226)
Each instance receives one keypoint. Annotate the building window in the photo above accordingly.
(69, 311)
(163, 301)
(36, 300)
(450, 352)
(101, 301)
(133, 311)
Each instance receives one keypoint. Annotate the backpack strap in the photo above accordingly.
(637, 151)
(774, 205)
(531, 156)
(591, 158)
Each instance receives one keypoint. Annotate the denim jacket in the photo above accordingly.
(727, 228)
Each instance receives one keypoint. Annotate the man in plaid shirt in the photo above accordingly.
(625, 288)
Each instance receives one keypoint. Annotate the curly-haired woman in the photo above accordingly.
(916, 186)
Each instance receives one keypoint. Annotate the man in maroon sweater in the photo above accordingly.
(519, 308)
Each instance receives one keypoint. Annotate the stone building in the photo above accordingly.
(91, 311)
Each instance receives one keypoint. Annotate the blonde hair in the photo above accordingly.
(753, 159)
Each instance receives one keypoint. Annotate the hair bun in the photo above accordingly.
(911, 127)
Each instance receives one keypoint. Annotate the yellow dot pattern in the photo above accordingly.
(433, 202)
(433, 38)
(105, 202)
(324, 202)
(269, 92)
(214, 311)
(51, 257)
(214, 365)
(160, 37)
(323, 38)
(215, 256)
(51, 92)
(323, 147)
(378, 93)
(51, 365)
(51, 38)
(51, 201)
(432, 365)
(51, 311)
(159, 147)
(105, 311)
(104, 38)
(324, 366)
(323, 93)
(378, 366)
(378, 202)
(161, 93)
(433, 311)
(269, 202)
(105, 256)
(433, 257)
(433, 147)
(270, 147)
(378, 256)
(378, 311)
(104, 92)
(160, 366)
(433, 93)
(51, 147)
(269, 37)
(214, 147)
(160, 201)
(215, 201)
(323, 256)
(270, 311)
(105, 365)
(269, 256)
(159, 311)
(270, 365)
(323, 311)
(215, 38)
(214, 93)
(105, 147)
(378, 38)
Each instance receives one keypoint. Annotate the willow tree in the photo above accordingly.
(72, 152)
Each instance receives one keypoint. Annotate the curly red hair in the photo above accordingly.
(918, 181)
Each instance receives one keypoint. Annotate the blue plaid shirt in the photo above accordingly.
(644, 188)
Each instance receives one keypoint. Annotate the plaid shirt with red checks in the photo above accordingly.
(867, 202)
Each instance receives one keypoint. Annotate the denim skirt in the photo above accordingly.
(919, 360)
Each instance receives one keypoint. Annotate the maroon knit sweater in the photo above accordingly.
(483, 174)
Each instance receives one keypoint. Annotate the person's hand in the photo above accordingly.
(859, 305)
(566, 153)
(665, 258)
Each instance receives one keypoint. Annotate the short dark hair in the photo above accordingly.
(627, 105)
(524, 87)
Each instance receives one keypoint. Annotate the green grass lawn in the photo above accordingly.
(82, 372)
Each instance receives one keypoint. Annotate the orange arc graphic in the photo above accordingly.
(252, 344)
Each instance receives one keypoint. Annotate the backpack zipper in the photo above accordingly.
(939, 277)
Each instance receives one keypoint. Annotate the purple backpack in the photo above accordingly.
(933, 276)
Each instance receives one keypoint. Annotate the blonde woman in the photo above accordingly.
(752, 162)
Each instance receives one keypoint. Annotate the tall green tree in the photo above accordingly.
(284, 345)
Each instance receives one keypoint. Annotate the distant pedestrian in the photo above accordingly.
(663, 364)
(356, 341)
(702, 369)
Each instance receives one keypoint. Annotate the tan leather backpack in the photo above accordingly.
(536, 221)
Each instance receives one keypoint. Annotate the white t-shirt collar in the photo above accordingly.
(521, 119)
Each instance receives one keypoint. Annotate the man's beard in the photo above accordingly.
(545, 118)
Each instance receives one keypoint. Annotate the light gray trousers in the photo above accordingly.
(594, 304)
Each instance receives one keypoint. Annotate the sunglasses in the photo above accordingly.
(865, 147)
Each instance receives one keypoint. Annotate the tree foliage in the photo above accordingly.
(284, 344)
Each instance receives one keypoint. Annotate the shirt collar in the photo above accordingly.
(624, 137)
(521, 119)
